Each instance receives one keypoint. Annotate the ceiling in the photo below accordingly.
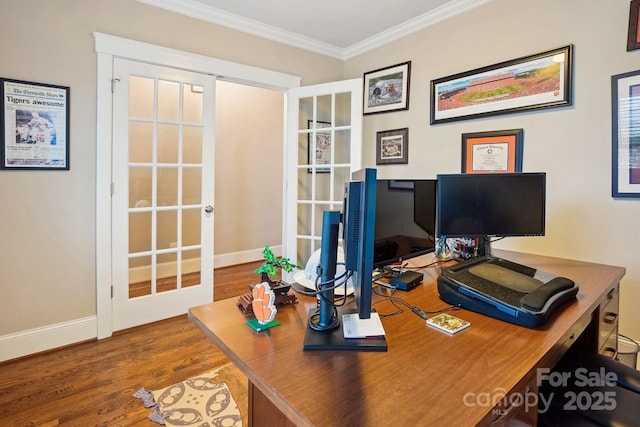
(337, 28)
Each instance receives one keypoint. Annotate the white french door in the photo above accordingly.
(324, 146)
(163, 185)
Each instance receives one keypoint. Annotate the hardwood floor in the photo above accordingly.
(92, 383)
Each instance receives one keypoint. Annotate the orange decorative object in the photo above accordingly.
(263, 304)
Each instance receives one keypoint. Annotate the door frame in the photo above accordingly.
(107, 47)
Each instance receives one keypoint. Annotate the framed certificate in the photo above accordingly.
(496, 151)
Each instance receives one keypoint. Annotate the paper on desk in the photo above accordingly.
(355, 327)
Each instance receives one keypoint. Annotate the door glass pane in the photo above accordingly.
(304, 219)
(139, 276)
(168, 143)
(319, 209)
(167, 233)
(304, 141)
(167, 272)
(168, 101)
(304, 252)
(141, 97)
(305, 112)
(140, 180)
(343, 109)
(342, 146)
(167, 186)
(139, 232)
(191, 230)
(323, 114)
(191, 268)
(192, 144)
(304, 184)
(191, 186)
(323, 181)
(140, 142)
(192, 109)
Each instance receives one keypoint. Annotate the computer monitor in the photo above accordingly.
(324, 330)
(405, 220)
(490, 205)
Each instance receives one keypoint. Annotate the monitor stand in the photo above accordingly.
(334, 339)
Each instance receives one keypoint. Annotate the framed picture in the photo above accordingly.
(497, 151)
(543, 80)
(320, 152)
(392, 147)
(387, 89)
(35, 126)
(625, 98)
(633, 38)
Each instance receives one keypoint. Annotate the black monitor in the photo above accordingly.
(491, 205)
(405, 220)
(324, 330)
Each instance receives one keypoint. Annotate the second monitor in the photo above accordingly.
(405, 220)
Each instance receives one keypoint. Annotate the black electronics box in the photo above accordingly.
(406, 280)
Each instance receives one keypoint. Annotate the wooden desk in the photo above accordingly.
(427, 377)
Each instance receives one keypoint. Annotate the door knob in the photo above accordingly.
(208, 209)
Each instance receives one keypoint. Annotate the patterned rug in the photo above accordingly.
(217, 398)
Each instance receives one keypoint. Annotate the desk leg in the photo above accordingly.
(262, 412)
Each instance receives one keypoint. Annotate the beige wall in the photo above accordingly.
(249, 154)
(47, 248)
(572, 144)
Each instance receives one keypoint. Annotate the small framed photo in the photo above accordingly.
(496, 151)
(625, 120)
(392, 147)
(320, 151)
(34, 125)
(633, 38)
(387, 89)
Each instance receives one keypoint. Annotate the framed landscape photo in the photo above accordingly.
(633, 38)
(492, 152)
(392, 147)
(387, 89)
(320, 152)
(35, 126)
(542, 80)
(625, 120)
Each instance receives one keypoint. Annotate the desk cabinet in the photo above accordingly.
(608, 314)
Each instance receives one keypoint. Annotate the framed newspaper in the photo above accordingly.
(34, 125)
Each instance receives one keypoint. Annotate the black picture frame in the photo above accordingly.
(533, 82)
(625, 144)
(392, 146)
(387, 89)
(34, 126)
(321, 149)
(633, 34)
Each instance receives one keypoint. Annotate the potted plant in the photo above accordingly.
(269, 268)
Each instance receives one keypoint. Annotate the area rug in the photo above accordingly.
(217, 398)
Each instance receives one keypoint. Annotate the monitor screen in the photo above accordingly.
(405, 220)
(491, 205)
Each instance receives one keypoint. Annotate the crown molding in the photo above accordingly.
(444, 12)
(203, 12)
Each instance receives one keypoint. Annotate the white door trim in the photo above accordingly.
(107, 47)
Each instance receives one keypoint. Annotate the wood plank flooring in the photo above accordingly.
(92, 383)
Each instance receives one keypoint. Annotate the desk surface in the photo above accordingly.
(426, 376)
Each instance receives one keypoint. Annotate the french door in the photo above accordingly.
(162, 192)
(324, 146)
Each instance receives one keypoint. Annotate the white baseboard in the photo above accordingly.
(48, 337)
(233, 258)
(33, 341)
